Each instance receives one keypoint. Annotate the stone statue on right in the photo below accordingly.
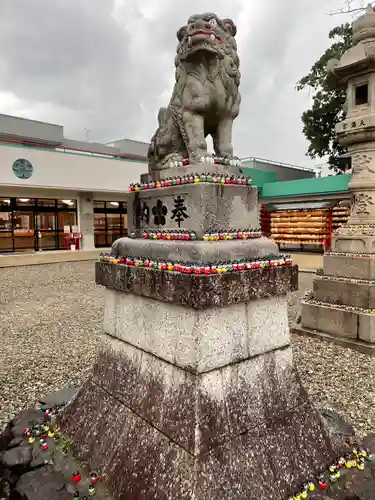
(205, 98)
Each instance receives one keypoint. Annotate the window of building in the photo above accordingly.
(67, 204)
(110, 222)
(28, 224)
(361, 94)
(24, 202)
(46, 203)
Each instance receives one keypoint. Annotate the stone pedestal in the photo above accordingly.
(194, 394)
(342, 304)
(197, 401)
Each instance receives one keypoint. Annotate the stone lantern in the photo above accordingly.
(356, 71)
(341, 306)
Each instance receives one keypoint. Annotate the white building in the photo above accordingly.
(51, 186)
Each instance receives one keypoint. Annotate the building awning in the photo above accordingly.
(308, 205)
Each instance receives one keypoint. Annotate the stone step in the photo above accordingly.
(338, 291)
(349, 266)
(338, 321)
(199, 252)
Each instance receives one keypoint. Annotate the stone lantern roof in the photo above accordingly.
(361, 57)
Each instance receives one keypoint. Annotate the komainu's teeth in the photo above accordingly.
(213, 36)
(189, 40)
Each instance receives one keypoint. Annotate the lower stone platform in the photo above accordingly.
(242, 432)
(349, 266)
(357, 345)
(336, 320)
(342, 302)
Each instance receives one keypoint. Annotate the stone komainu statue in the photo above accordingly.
(205, 98)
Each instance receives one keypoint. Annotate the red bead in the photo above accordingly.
(76, 478)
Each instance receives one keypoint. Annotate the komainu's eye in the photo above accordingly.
(213, 22)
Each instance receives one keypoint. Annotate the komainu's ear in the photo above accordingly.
(181, 33)
(230, 27)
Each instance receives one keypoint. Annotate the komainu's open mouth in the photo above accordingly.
(200, 35)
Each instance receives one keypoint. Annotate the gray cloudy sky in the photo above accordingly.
(108, 65)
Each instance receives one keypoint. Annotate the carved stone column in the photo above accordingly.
(342, 304)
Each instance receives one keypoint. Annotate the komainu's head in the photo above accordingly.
(206, 34)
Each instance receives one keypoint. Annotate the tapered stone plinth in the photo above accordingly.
(194, 394)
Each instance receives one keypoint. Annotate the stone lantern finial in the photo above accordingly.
(364, 26)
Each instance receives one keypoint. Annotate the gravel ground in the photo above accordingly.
(49, 331)
(50, 320)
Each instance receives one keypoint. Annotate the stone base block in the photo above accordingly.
(244, 432)
(195, 339)
(198, 291)
(344, 292)
(193, 207)
(199, 411)
(199, 252)
(353, 243)
(349, 266)
(337, 321)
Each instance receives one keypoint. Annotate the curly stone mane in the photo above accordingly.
(205, 98)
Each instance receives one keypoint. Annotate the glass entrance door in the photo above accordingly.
(24, 231)
(46, 227)
(6, 232)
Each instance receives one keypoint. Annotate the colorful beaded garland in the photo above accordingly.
(193, 179)
(192, 268)
(309, 299)
(346, 280)
(352, 254)
(355, 456)
(167, 235)
(233, 235)
(212, 160)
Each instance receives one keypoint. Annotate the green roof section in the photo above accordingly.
(259, 177)
(305, 187)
